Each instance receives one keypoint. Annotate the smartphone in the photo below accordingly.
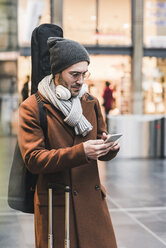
(113, 137)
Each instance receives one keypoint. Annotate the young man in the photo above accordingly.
(74, 142)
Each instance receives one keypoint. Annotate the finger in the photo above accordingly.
(112, 144)
(109, 144)
(102, 154)
(105, 147)
(104, 136)
(116, 147)
(116, 142)
(101, 147)
(96, 142)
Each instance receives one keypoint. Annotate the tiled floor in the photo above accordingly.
(136, 195)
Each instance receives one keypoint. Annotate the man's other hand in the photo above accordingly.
(97, 148)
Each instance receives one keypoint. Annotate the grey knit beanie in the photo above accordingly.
(64, 53)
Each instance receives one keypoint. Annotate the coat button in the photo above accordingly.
(75, 192)
(97, 187)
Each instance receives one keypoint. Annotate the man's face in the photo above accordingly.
(73, 77)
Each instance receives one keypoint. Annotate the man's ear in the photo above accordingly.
(56, 79)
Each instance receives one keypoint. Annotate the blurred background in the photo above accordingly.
(126, 40)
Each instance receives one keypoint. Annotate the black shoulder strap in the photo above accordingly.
(95, 107)
(42, 114)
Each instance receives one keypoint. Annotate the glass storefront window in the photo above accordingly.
(3, 32)
(8, 74)
(8, 25)
(31, 13)
(79, 20)
(24, 65)
(155, 23)
(154, 85)
(117, 70)
(114, 22)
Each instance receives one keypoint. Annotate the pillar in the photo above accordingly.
(57, 12)
(137, 20)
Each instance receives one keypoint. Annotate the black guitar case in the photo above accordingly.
(22, 182)
(40, 54)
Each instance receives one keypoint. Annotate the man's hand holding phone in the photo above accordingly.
(98, 148)
(112, 140)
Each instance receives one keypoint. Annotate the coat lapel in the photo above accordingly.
(88, 108)
(58, 115)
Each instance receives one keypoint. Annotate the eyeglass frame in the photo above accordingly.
(76, 75)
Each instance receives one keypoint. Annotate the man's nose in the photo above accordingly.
(80, 80)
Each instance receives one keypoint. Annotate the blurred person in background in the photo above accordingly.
(26, 88)
(108, 98)
(75, 139)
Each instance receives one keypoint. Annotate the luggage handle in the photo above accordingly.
(57, 186)
(67, 191)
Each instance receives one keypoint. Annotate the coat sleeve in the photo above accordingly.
(101, 127)
(31, 142)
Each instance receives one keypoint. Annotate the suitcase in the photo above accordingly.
(67, 190)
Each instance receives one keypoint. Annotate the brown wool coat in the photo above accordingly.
(63, 160)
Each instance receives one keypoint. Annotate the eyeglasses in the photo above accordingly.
(76, 75)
